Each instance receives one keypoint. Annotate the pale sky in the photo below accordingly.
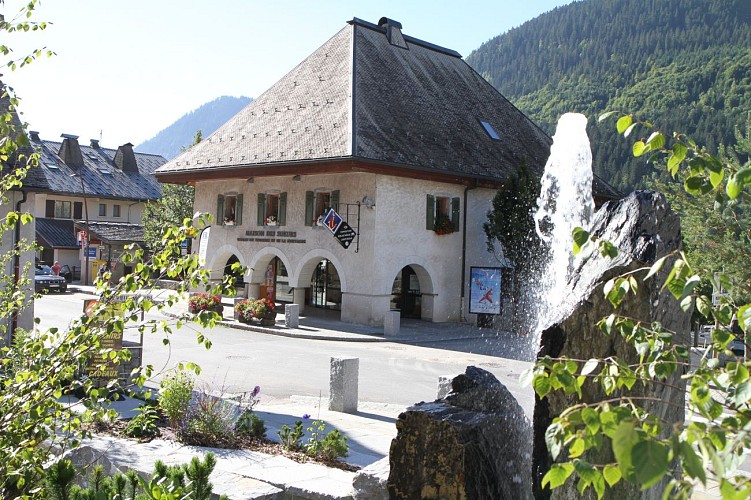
(128, 69)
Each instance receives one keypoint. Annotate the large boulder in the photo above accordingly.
(473, 444)
(643, 228)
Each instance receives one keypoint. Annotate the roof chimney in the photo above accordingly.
(393, 32)
(94, 143)
(34, 135)
(125, 158)
(70, 151)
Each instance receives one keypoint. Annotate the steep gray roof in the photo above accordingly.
(114, 232)
(56, 233)
(360, 97)
(102, 178)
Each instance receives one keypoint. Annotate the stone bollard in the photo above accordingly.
(391, 324)
(343, 384)
(292, 315)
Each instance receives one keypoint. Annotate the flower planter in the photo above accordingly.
(219, 309)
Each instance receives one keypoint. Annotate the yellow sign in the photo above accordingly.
(100, 365)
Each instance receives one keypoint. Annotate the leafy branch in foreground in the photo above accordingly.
(710, 443)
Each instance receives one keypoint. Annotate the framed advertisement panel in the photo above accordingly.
(485, 290)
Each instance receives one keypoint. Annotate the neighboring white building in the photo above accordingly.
(106, 189)
(402, 138)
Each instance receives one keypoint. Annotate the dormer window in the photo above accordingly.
(272, 209)
(229, 209)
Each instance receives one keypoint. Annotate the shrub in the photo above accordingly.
(254, 308)
(290, 438)
(175, 395)
(250, 425)
(210, 422)
(203, 302)
(330, 446)
(143, 425)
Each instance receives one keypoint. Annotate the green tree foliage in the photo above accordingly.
(717, 235)
(175, 205)
(685, 63)
(707, 447)
(39, 368)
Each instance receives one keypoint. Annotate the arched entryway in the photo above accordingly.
(275, 282)
(228, 271)
(325, 290)
(406, 295)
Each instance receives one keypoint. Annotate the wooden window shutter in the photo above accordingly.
(283, 209)
(261, 215)
(238, 209)
(430, 212)
(309, 200)
(49, 210)
(455, 210)
(77, 210)
(220, 209)
(335, 200)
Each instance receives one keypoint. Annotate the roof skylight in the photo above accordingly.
(490, 130)
(105, 171)
(52, 166)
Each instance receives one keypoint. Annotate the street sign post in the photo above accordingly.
(339, 228)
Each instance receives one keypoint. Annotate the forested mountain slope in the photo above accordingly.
(207, 118)
(683, 64)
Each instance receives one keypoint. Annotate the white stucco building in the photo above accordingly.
(402, 138)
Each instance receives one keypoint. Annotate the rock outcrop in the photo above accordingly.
(643, 228)
(473, 444)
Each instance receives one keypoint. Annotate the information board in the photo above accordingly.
(485, 290)
(339, 228)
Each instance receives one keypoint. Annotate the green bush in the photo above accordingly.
(143, 425)
(329, 446)
(175, 395)
(250, 425)
(290, 438)
(210, 422)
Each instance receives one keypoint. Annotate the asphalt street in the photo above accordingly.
(389, 372)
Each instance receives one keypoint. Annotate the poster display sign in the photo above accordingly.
(485, 290)
(203, 245)
(340, 229)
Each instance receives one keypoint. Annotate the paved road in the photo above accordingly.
(395, 373)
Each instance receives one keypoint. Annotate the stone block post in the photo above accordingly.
(391, 324)
(343, 384)
(292, 315)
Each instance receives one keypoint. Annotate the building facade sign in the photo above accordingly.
(485, 290)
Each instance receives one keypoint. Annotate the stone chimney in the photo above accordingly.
(34, 135)
(94, 143)
(125, 158)
(393, 32)
(70, 151)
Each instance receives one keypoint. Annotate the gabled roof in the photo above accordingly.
(102, 178)
(56, 233)
(407, 104)
(113, 232)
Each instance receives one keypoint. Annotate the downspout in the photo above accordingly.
(16, 263)
(464, 250)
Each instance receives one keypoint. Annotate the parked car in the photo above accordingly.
(45, 280)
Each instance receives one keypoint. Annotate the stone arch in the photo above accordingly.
(308, 263)
(412, 305)
(219, 257)
(423, 270)
(261, 259)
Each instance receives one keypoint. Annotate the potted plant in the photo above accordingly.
(229, 221)
(443, 225)
(262, 310)
(271, 220)
(205, 302)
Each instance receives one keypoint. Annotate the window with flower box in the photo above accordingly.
(229, 209)
(272, 209)
(442, 213)
(318, 203)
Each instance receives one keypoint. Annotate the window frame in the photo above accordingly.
(229, 214)
(313, 204)
(450, 208)
(264, 215)
(116, 210)
(60, 212)
(102, 210)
